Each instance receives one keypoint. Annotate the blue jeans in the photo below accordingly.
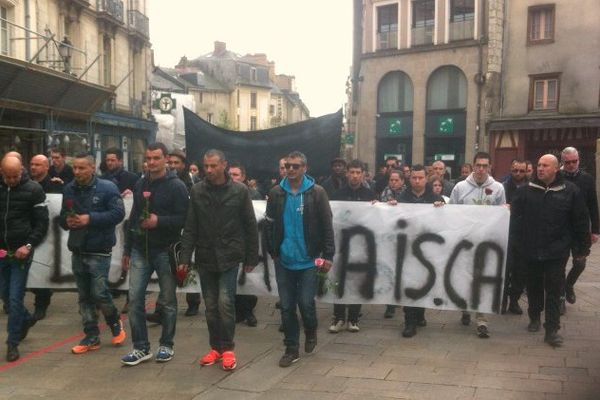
(91, 276)
(140, 271)
(218, 290)
(296, 287)
(13, 278)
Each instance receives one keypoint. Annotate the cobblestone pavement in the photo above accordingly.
(444, 361)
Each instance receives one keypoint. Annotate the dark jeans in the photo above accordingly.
(140, 271)
(413, 315)
(339, 312)
(575, 272)
(244, 305)
(545, 278)
(91, 276)
(42, 297)
(13, 278)
(296, 288)
(218, 290)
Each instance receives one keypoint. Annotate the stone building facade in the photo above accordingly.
(82, 70)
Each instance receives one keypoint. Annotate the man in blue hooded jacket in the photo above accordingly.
(299, 231)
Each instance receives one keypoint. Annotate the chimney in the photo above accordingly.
(220, 48)
(272, 71)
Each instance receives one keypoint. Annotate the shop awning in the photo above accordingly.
(31, 87)
(554, 122)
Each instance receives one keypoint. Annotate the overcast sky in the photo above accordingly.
(310, 39)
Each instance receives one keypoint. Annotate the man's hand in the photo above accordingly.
(326, 265)
(78, 221)
(182, 267)
(56, 179)
(125, 263)
(579, 258)
(22, 253)
(126, 193)
(438, 204)
(150, 222)
(392, 202)
(249, 268)
(594, 237)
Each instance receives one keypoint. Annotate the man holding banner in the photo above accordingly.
(479, 188)
(300, 232)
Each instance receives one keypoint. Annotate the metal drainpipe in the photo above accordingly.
(481, 77)
(28, 26)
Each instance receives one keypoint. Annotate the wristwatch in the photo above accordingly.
(28, 246)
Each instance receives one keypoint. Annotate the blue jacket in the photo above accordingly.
(102, 201)
(293, 251)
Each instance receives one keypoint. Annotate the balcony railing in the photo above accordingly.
(111, 8)
(422, 35)
(462, 30)
(387, 40)
(138, 23)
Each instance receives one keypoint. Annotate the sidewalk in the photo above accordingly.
(444, 361)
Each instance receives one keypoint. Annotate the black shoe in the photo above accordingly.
(39, 313)
(389, 312)
(155, 318)
(482, 332)
(465, 319)
(534, 325)
(251, 320)
(562, 307)
(410, 330)
(553, 339)
(515, 308)
(25, 328)
(12, 353)
(290, 357)
(278, 305)
(192, 310)
(570, 294)
(311, 341)
(422, 322)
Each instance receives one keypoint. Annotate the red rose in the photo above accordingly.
(146, 194)
(180, 276)
(488, 191)
(69, 203)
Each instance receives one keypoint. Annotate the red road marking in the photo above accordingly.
(41, 352)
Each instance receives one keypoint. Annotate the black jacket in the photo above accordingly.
(407, 196)
(123, 179)
(51, 187)
(510, 188)
(317, 218)
(585, 182)
(24, 214)
(101, 200)
(333, 184)
(348, 194)
(548, 222)
(168, 200)
(220, 226)
(66, 174)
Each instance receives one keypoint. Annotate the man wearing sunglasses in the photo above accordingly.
(299, 234)
(586, 184)
(513, 288)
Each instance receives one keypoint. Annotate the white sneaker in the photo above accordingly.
(336, 326)
(353, 326)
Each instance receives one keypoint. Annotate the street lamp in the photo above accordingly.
(65, 49)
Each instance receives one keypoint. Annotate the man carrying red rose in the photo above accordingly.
(479, 188)
(160, 201)
(24, 225)
(91, 209)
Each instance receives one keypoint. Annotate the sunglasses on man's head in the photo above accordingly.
(292, 166)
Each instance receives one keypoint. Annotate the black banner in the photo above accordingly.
(260, 151)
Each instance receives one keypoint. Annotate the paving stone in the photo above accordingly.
(377, 372)
(563, 371)
(495, 394)
(525, 385)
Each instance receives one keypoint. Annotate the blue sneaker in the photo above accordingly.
(164, 354)
(136, 356)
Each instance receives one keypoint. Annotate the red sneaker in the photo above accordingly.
(211, 357)
(228, 362)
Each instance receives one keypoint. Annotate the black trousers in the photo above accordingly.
(339, 312)
(413, 315)
(244, 305)
(192, 299)
(575, 272)
(545, 283)
(514, 283)
(42, 297)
